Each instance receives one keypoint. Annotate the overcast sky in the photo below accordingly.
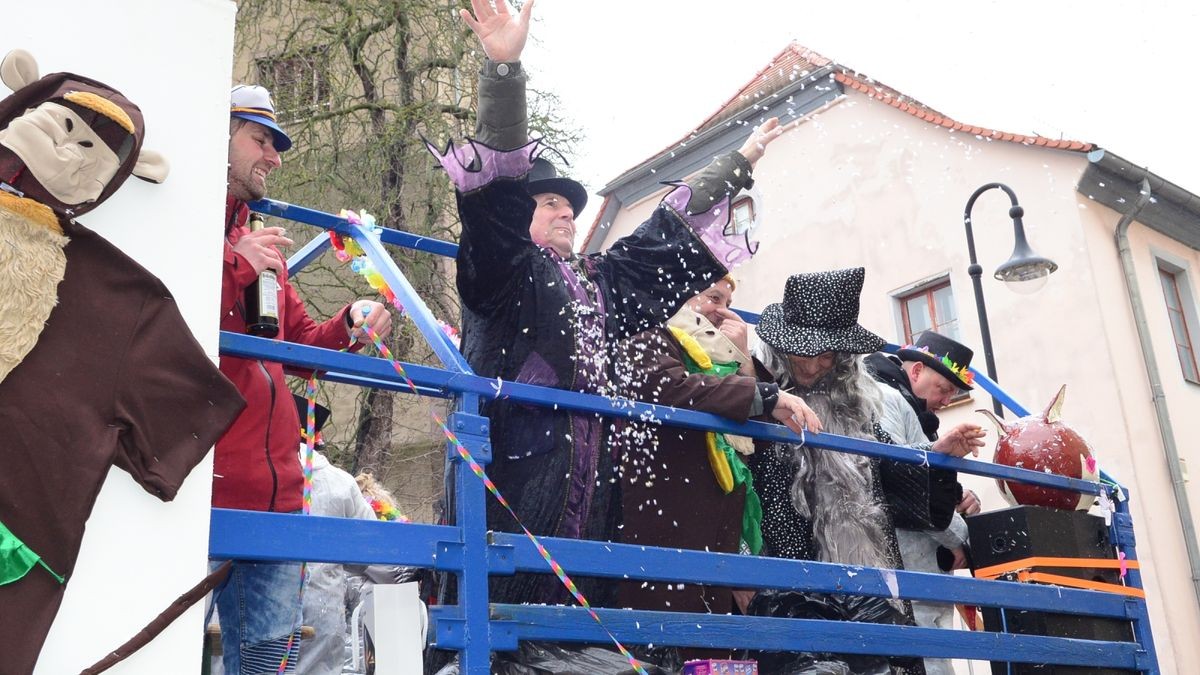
(636, 75)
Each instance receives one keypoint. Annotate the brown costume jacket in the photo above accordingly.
(670, 495)
(115, 378)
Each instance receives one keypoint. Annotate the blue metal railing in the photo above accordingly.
(476, 628)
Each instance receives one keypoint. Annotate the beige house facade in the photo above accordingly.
(865, 176)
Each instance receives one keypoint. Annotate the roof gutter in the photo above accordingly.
(1170, 449)
(1161, 187)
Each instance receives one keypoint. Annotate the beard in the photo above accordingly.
(245, 186)
(835, 491)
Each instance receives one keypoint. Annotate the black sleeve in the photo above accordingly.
(495, 248)
(919, 497)
(785, 533)
(652, 272)
(502, 121)
(725, 176)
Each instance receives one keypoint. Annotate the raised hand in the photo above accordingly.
(501, 34)
(756, 146)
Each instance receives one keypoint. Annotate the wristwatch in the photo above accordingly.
(770, 396)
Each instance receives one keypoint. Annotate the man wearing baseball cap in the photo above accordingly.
(255, 467)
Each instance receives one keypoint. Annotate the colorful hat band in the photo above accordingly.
(963, 373)
(262, 112)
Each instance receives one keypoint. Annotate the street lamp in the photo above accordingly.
(1025, 272)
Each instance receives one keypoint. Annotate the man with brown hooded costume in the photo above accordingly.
(690, 488)
(97, 366)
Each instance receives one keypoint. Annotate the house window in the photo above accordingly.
(743, 215)
(930, 308)
(299, 83)
(1176, 295)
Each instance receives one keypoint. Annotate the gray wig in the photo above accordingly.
(833, 490)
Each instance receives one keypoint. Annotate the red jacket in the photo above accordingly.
(255, 466)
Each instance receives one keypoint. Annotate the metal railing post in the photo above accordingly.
(467, 629)
(1122, 536)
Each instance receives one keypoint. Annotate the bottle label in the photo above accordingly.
(268, 302)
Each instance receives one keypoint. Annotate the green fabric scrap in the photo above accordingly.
(16, 559)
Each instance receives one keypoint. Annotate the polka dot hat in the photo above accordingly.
(819, 314)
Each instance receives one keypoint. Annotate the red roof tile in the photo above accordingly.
(895, 99)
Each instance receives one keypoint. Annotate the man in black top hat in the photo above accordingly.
(536, 313)
(929, 374)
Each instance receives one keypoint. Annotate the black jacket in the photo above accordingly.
(886, 369)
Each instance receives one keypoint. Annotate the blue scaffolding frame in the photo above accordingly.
(469, 551)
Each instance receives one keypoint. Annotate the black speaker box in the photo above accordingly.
(1022, 532)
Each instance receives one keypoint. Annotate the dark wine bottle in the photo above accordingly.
(262, 296)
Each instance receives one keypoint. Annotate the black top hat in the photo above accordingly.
(947, 357)
(322, 413)
(543, 178)
(819, 314)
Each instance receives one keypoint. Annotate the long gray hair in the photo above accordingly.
(833, 490)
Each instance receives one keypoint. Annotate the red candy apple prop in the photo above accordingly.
(1043, 443)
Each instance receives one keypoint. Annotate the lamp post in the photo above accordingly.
(1024, 272)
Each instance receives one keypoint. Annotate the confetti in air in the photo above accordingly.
(346, 251)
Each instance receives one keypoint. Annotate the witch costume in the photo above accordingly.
(535, 317)
(822, 504)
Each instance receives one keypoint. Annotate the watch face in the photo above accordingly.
(502, 69)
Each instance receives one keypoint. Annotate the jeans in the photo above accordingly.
(259, 609)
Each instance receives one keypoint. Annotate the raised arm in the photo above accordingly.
(729, 174)
(685, 246)
(502, 121)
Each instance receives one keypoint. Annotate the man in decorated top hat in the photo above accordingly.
(928, 375)
(255, 467)
(537, 313)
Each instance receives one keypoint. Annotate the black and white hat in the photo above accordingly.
(949, 358)
(819, 314)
